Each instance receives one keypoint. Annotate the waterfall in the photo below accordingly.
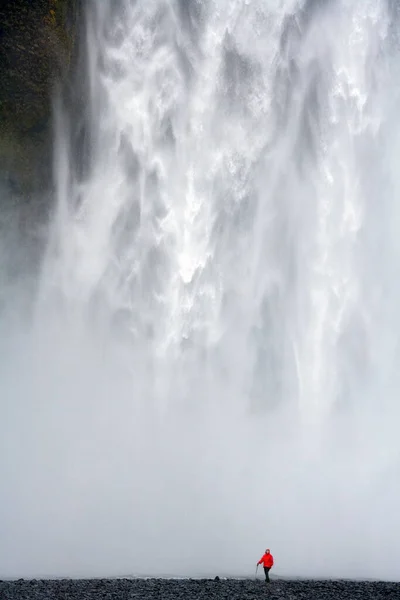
(205, 360)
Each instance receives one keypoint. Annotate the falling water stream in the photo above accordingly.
(205, 359)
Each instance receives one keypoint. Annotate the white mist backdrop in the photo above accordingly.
(205, 361)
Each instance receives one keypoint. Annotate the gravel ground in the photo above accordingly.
(194, 589)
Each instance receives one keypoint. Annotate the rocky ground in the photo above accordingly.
(187, 589)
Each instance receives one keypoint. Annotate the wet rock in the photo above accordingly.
(37, 45)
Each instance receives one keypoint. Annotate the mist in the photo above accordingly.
(199, 340)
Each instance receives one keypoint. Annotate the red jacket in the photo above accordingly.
(267, 560)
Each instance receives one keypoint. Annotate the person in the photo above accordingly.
(267, 561)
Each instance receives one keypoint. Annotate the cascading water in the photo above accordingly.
(207, 360)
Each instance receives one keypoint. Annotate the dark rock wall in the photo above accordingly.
(38, 43)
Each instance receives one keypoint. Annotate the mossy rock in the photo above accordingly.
(37, 42)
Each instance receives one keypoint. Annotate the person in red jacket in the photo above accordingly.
(267, 561)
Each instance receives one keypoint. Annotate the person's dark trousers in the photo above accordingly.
(266, 571)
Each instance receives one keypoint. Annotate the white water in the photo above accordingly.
(210, 362)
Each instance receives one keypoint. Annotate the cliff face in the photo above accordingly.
(37, 45)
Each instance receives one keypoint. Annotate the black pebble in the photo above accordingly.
(194, 589)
